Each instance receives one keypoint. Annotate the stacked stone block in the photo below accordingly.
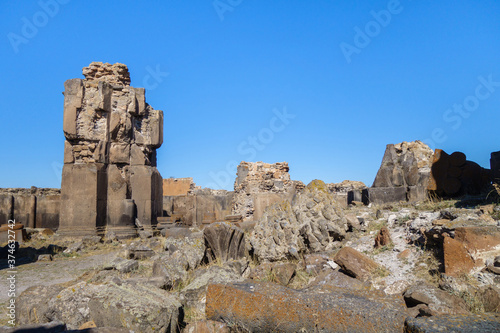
(110, 181)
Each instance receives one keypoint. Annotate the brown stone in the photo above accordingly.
(356, 264)
(119, 153)
(383, 237)
(479, 239)
(177, 186)
(267, 307)
(404, 254)
(456, 258)
(438, 301)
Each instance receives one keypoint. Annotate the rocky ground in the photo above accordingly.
(306, 266)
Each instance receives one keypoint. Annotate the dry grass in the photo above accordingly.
(434, 204)
(427, 267)
(300, 280)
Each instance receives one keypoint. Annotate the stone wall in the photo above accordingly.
(34, 207)
(259, 185)
(196, 206)
(177, 186)
(109, 179)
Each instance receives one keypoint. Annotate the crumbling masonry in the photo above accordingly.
(109, 182)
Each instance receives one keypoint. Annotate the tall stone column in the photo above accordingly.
(109, 177)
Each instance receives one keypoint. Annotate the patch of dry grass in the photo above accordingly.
(427, 267)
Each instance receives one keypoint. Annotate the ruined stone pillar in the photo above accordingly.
(110, 180)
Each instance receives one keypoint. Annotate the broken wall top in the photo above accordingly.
(108, 121)
(262, 177)
(405, 164)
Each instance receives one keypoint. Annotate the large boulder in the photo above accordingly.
(32, 306)
(224, 241)
(134, 306)
(267, 307)
(356, 264)
(311, 223)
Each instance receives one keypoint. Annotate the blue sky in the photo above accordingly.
(323, 85)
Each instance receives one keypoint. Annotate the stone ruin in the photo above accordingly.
(403, 175)
(109, 181)
(411, 171)
(259, 185)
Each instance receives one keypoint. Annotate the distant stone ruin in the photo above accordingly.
(411, 171)
(404, 173)
(109, 179)
(259, 185)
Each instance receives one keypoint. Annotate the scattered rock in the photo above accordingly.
(32, 304)
(194, 293)
(314, 263)
(356, 264)
(439, 302)
(123, 265)
(45, 257)
(139, 252)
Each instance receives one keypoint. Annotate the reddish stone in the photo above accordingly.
(457, 259)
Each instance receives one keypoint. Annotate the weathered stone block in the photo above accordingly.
(417, 193)
(457, 259)
(267, 307)
(6, 208)
(105, 92)
(356, 264)
(381, 195)
(119, 152)
(146, 188)
(83, 198)
(137, 156)
(47, 211)
(73, 94)
(68, 153)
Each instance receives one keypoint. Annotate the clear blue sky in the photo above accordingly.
(356, 75)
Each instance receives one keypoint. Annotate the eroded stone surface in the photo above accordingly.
(267, 307)
(110, 154)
